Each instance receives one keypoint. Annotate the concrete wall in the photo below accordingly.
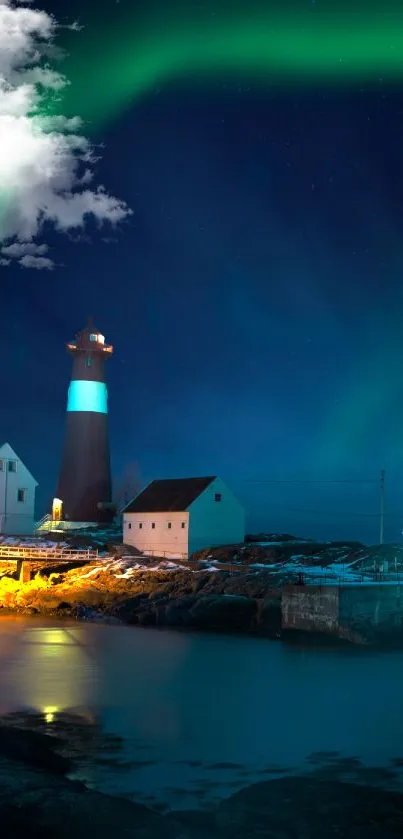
(310, 608)
(160, 539)
(361, 612)
(16, 517)
(375, 608)
(216, 522)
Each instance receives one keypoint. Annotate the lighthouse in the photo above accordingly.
(84, 486)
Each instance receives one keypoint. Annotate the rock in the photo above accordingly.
(83, 613)
(63, 606)
(29, 610)
(55, 579)
(146, 618)
(38, 804)
(178, 612)
(268, 618)
(308, 807)
(32, 748)
(223, 612)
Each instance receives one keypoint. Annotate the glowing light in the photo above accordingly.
(87, 396)
(49, 713)
(267, 46)
(57, 508)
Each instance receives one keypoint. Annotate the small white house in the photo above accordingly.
(180, 516)
(17, 494)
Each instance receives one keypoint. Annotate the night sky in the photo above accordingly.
(254, 298)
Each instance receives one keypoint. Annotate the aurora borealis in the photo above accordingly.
(314, 42)
(254, 298)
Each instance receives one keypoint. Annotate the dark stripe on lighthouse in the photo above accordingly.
(84, 484)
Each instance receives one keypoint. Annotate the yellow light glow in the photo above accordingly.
(49, 713)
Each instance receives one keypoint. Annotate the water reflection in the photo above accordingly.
(186, 719)
(47, 668)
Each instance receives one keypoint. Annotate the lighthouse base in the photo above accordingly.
(73, 525)
(48, 525)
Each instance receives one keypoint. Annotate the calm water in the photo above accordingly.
(202, 715)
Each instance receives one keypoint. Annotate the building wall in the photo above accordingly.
(310, 608)
(376, 608)
(214, 522)
(158, 540)
(358, 612)
(16, 517)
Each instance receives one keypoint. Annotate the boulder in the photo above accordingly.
(223, 613)
(45, 805)
(308, 807)
(179, 612)
(268, 617)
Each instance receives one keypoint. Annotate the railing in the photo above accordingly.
(28, 552)
(46, 518)
(369, 577)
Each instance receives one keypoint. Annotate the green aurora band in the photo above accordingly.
(319, 46)
(113, 65)
(116, 62)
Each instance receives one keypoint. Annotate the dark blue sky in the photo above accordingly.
(254, 301)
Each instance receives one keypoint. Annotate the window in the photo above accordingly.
(12, 465)
(169, 525)
(100, 339)
(183, 525)
(217, 496)
(129, 524)
(1, 465)
(88, 361)
(140, 525)
(21, 495)
(153, 525)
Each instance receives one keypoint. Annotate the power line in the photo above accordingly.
(275, 482)
(337, 513)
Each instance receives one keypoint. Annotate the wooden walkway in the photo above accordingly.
(14, 552)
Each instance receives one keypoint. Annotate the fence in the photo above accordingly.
(28, 552)
(304, 579)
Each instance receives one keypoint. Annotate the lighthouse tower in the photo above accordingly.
(84, 487)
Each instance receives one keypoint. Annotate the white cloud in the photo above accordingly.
(24, 248)
(45, 161)
(38, 262)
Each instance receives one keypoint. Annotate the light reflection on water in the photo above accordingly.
(201, 715)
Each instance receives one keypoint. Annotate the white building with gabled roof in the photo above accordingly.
(17, 494)
(174, 518)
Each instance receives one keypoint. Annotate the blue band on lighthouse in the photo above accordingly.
(87, 396)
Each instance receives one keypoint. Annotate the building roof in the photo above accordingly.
(7, 452)
(172, 495)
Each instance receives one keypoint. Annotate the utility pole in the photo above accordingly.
(382, 507)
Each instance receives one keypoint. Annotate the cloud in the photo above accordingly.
(46, 163)
(38, 262)
(19, 249)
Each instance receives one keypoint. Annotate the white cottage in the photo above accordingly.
(17, 494)
(180, 516)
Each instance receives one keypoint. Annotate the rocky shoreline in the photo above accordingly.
(218, 602)
(237, 589)
(38, 799)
